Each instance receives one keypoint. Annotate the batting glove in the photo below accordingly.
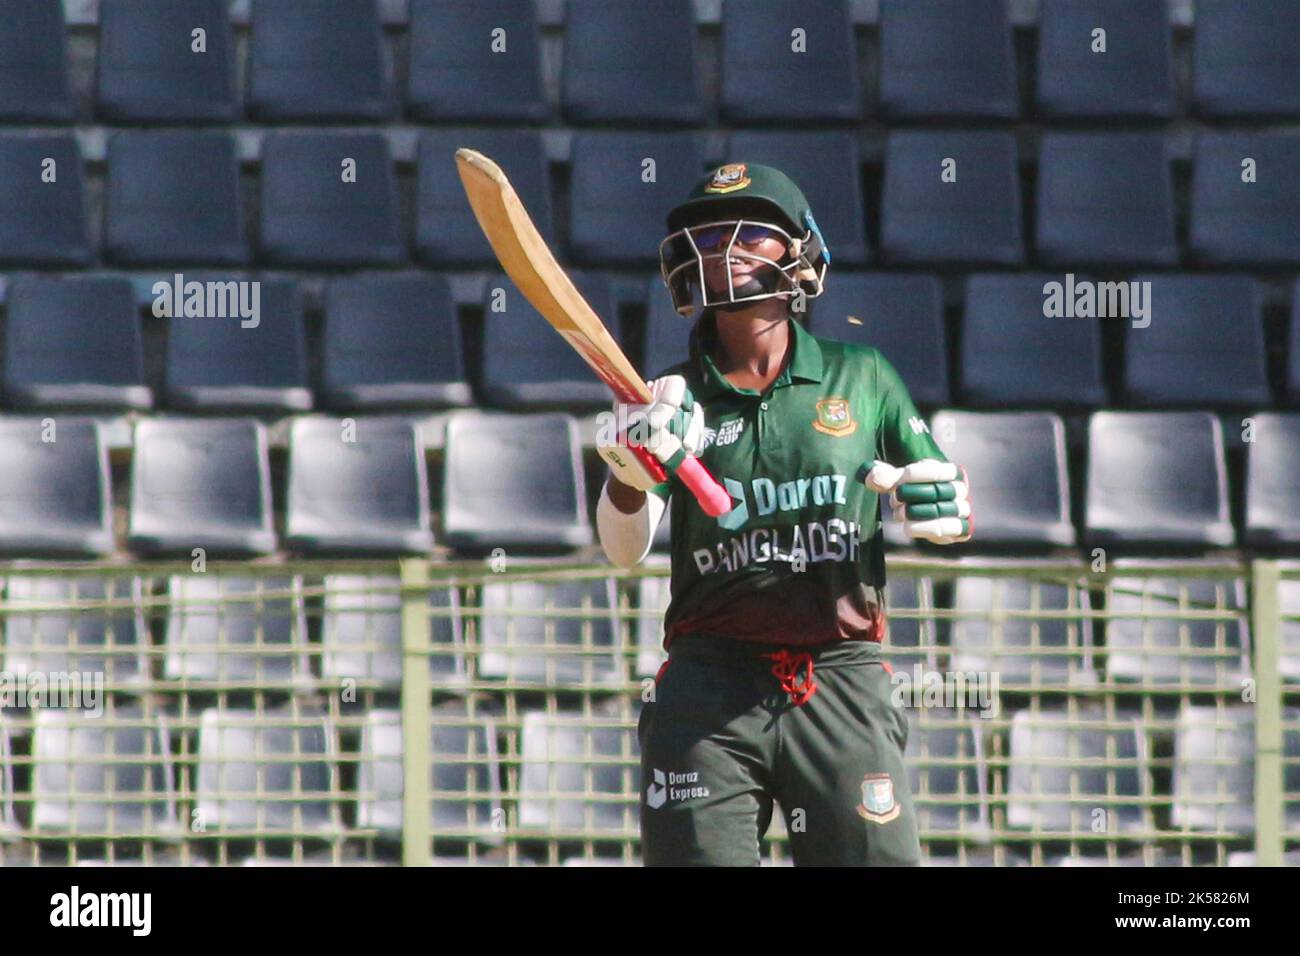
(672, 422)
(931, 498)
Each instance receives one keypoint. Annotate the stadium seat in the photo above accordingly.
(9, 828)
(173, 197)
(241, 363)
(667, 334)
(946, 771)
(1105, 199)
(1214, 769)
(514, 481)
(615, 215)
(357, 487)
(44, 221)
(901, 315)
(239, 631)
(55, 498)
(1247, 59)
(462, 69)
(361, 631)
(150, 69)
(446, 232)
(630, 62)
(1289, 603)
(654, 593)
(315, 213)
(1133, 77)
(570, 758)
(465, 769)
(1017, 467)
(33, 63)
(767, 79)
(83, 636)
(974, 218)
(1065, 767)
(391, 342)
(86, 782)
(1150, 641)
(913, 639)
(826, 167)
(74, 342)
(1027, 651)
(1293, 351)
(318, 61)
(1157, 478)
(267, 772)
(556, 634)
(1246, 223)
(526, 363)
(1204, 345)
(1014, 355)
(201, 483)
(947, 59)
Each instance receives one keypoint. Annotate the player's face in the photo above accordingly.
(752, 240)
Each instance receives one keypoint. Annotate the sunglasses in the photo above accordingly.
(714, 237)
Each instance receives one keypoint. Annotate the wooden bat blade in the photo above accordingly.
(524, 255)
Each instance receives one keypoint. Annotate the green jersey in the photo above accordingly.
(800, 557)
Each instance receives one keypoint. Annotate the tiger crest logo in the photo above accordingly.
(835, 418)
(728, 178)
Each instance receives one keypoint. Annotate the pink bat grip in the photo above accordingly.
(713, 498)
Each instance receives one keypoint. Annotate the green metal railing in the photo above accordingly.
(385, 712)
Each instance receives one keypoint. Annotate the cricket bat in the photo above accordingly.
(525, 257)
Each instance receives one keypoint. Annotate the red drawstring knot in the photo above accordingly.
(787, 669)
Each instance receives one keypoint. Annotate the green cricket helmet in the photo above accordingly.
(734, 206)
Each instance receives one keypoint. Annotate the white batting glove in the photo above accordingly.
(930, 497)
(672, 423)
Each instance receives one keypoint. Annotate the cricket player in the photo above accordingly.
(775, 687)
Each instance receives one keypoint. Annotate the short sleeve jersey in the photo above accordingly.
(799, 559)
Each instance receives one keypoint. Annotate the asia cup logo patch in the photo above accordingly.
(835, 418)
(728, 178)
(878, 804)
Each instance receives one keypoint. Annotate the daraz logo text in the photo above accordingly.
(770, 496)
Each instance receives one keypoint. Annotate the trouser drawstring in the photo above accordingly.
(786, 669)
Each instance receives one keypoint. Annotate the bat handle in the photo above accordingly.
(712, 497)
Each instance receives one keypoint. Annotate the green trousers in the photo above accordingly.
(734, 727)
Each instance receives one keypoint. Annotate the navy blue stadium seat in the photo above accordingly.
(947, 58)
(1105, 198)
(312, 217)
(526, 636)
(901, 315)
(236, 630)
(318, 60)
(766, 79)
(173, 198)
(912, 637)
(1247, 58)
(1157, 478)
(630, 62)
(666, 333)
(74, 342)
(359, 488)
(946, 772)
(392, 342)
(235, 363)
(44, 221)
(1012, 355)
(526, 363)
(827, 169)
(1293, 351)
(1246, 223)
(1132, 77)
(974, 219)
(1204, 346)
(514, 481)
(575, 772)
(1017, 467)
(33, 63)
(1273, 482)
(614, 215)
(462, 69)
(54, 494)
(148, 70)
(75, 625)
(446, 232)
(201, 483)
